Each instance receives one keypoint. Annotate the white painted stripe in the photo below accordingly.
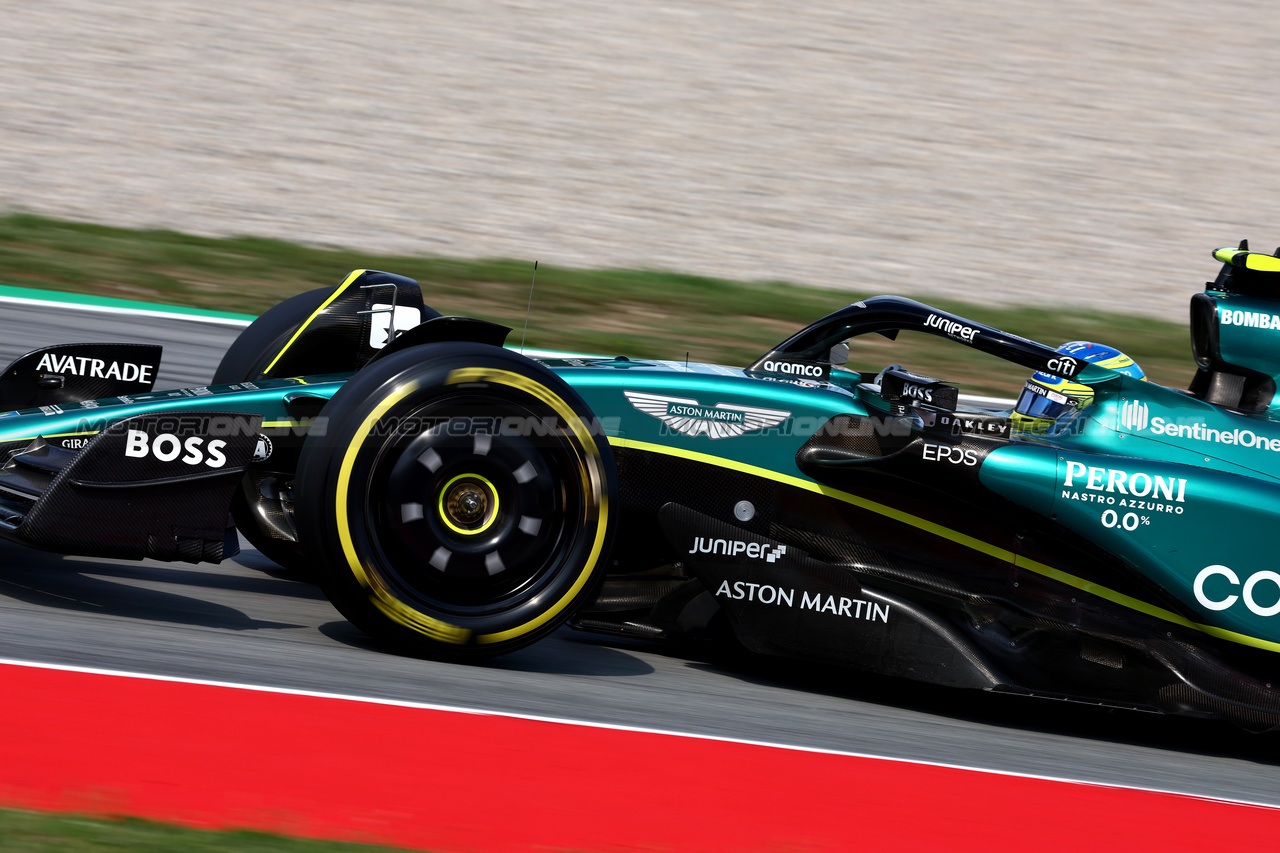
(999, 402)
(553, 353)
(130, 312)
(512, 715)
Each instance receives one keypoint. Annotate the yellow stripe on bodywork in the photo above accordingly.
(592, 480)
(316, 313)
(957, 537)
(51, 435)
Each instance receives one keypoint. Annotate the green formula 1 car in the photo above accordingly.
(457, 499)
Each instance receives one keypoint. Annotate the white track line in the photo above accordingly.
(131, 312)
(512, 715)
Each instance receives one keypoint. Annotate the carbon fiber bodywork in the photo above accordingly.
(808, 509)
(154, 485)
(68, 373)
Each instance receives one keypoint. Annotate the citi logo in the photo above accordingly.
(1063, 366)
(734, 547)
(1133, 415)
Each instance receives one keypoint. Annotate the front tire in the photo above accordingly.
(460, 502)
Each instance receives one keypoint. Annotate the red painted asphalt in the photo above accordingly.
(222, 757)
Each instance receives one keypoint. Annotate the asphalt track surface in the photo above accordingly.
(244, 622)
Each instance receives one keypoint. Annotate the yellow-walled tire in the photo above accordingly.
(459, 501)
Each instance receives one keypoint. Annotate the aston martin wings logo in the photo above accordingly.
(723, 420)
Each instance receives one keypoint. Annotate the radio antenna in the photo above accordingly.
(529, 307)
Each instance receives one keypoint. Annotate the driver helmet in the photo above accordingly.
(1045, 398)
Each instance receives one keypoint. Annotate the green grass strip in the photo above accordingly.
(643, 313)
(35, 832)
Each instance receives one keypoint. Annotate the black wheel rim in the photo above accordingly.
(472, 501)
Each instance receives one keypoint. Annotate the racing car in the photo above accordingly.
(458, 499)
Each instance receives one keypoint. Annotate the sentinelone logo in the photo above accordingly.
(1135, 416)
